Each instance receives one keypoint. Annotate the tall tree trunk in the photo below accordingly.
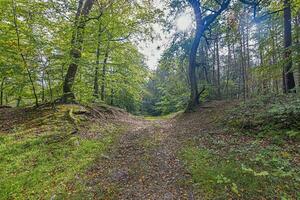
(96, 78)
(297, 27)
(244, 59)
(218, 68)
(103, 83)
(235, 68)
(202, 23)
(43, 86)
(84, 8)
(243, 68)
(2, 90)
(261, 59)
(274, 56)
(247, 52)
(278, 81)
(194, 99)
(214, 66)
(288, 77)
(50, 86)
(229, 66)
(22, 55)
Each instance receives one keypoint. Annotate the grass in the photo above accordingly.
(35, 167)
(162, 117)
(44, 164)
(253, 155)
(227, 177)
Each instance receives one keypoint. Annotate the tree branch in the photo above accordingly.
(211, 18)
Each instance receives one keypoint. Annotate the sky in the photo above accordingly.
(153, 50)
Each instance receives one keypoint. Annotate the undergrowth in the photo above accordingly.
(41, 159)
(253, 154)
(269, 116)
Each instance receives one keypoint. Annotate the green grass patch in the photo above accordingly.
(162, 117)
(266, 175)
(41, 166)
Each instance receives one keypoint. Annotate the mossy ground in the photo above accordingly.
(43, 157)
(241, 174)
(78, 152)
(239, 160)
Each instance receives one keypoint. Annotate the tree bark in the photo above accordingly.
(274, 56)
(229, 66)
(83, 11)
(104, 73)
(2, 90)
(202, 23)
(96, 78)
(297, 74)
(50, 87)
(43, 86)
(288, 77)
(242, 68)
(194, 101)
(214, 66)
(247, 52)
(22, 55)
(218, 68)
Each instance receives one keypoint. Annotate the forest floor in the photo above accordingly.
(144, 163)
(113, 155)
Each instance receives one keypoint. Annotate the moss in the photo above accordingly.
(40, 159)
(229, 177)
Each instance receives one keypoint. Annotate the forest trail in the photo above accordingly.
(101, 152)
(143, 164)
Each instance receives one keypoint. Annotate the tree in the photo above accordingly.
(83, 10)
(288, 76)
(202, 24)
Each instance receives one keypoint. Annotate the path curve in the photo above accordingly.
(142, 165)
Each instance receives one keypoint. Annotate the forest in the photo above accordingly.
(149, 99)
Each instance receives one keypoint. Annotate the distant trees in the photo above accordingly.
(242, 54)
(61, 49)
(87, 49)
(207, 13)
(262, 12)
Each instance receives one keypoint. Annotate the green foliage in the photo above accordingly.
(276, 117)
(268, 174)
(45, 31)
(168, 89)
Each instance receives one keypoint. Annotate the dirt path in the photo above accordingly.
(143, 164)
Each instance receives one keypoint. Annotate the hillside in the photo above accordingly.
(101, 152)
(43, 149)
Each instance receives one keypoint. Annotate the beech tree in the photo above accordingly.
(202, 24)
(288, 76)
(81, 17)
